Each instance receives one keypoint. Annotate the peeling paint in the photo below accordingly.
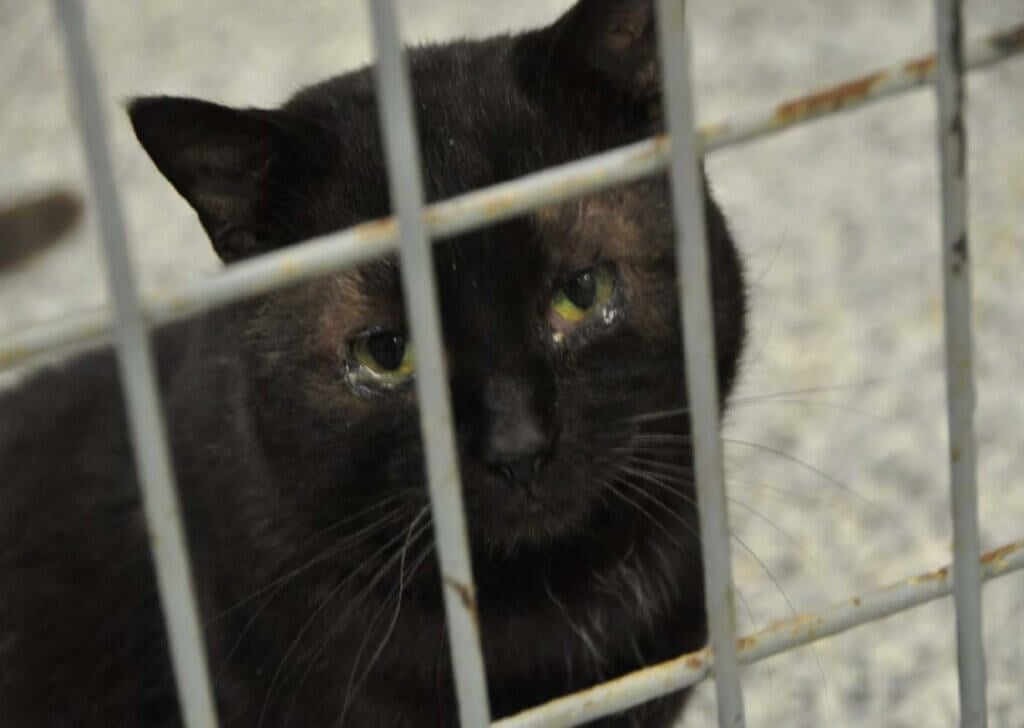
(998, 556)
(920, 67)
(829, 99)
(465, 595)
(686, 670)
(958, 254)
(1008, 41)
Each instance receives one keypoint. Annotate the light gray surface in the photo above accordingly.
(840, 225)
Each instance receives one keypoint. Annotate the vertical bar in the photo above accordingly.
(138, 381)
(949, 89)
(699, 341)
(406, 184)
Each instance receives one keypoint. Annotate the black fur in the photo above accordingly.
(303, 491)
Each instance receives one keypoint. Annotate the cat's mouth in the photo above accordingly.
(505, 517)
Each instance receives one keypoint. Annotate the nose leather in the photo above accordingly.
(518, 440)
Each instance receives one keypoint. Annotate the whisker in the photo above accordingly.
(769, 399)
(653, 478)
(656, 415)
(349, 692)
(314, 657)
(368, 563)
(823, 475)
(329, 552)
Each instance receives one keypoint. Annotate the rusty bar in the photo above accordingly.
(138, 381)
(693, 279)
(960, 399)
(405, 177)
(474, 209)
(884, 83)
(676, 674)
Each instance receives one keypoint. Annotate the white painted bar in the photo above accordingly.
(693, 277)
(956, 265)
(138, 380)
(405, 177)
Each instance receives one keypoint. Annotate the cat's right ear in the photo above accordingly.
(613, 42)
(220, 160)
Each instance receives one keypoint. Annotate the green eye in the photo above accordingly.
(384, 358)
(582, 294)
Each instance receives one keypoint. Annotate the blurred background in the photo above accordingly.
(836, 448)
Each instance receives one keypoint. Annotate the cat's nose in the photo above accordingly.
(517, 439)
(518, 452)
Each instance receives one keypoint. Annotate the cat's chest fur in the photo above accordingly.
(295, 432)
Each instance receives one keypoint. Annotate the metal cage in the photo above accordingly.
(411, 229)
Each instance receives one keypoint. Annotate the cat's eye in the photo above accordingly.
(382, 358)
(581, 295)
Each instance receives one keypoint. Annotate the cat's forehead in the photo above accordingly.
(611, 225)
(476, 124)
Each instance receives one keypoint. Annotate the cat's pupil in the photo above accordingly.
(387, 348)
(582, 290)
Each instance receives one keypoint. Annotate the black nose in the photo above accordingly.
(518, 440)
(519, 471)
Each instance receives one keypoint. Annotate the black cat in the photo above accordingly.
(294, 426)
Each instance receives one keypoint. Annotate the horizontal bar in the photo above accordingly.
(405, 180)
(345, 248)
(476, 209)
(694, 291)
(856, 92)
(676, 674)
(960, 399)
(138, 381)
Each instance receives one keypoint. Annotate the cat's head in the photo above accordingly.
(561, 327)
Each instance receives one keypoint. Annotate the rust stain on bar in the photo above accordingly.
(803, 627)
(370, 231)
(828, 99)
(465, 596)
(13, 354)
(937, 575)
(499, 206)
(697, 661)
(996, 557)
(1009, 41)
(921, 67)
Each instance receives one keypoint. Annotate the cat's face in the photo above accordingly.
(561, 327)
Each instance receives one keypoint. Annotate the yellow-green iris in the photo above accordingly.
(584, 293)
(384, 358)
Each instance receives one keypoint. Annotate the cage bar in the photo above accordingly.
(657, 680)
(853, 93)
(298, 262)
(138, 382)
(405, 179)
(949, 91)
(693, 278)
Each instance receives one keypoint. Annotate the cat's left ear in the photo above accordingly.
(614, 41)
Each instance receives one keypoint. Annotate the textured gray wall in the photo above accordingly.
(839, 224)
